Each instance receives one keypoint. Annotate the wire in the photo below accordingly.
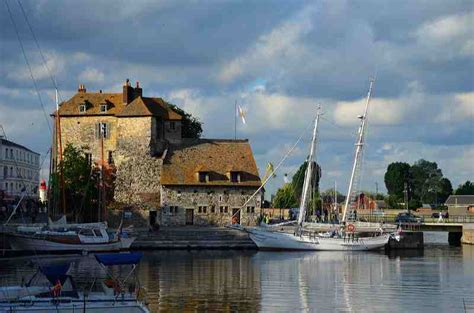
(28, 65)
(45, 64)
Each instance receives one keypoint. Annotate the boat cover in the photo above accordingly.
(55, 272)
(119, 258)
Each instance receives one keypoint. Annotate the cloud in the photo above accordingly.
(55, 64)
(92, 75)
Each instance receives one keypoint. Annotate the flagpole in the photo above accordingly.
(235, 120)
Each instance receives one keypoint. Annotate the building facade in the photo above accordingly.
(19, 170)
(460, 205)
(186, 181)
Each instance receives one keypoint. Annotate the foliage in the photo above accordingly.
(191, 127)
(397, 175)
(81, 184)
(465, 189)
(424, 181)
(298, 179)
(285, 197)
(290, 194)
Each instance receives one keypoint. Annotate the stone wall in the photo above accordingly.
(80, 131)
(138, 171)
(211, 205)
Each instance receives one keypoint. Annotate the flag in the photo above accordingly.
(242, 114)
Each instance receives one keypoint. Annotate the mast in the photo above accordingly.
(335, 200)
(60, 153)
(358, 153)
(309, 171)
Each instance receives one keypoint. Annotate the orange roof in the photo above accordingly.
(140, 106)
(216, 156)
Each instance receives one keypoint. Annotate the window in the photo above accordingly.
(6, 153)
(235, 177)
(102, 129)
(103, 108)
(11, 153)
(202, 209)
(179, 193)
(82, 108)
(173, 209)
(203, 177)
(226, 209)
(221, 209)
(89, 158)
(110, 158)
(250, 209)
(213, 209)
(5, 172)
(172, 125)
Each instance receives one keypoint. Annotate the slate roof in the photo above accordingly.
(5, 142)
(460, 200)
(216, 156)
(140, 106)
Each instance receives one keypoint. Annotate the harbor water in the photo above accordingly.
(439, 278)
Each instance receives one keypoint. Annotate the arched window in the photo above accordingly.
(5, 172)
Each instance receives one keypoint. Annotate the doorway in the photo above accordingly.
(235, 216)
(189, 216)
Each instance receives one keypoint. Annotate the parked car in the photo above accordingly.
(408, 218)
(443, 214)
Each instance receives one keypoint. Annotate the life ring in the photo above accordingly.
(351, 228)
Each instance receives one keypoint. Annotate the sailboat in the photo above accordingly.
(52, 289)
(342, 237)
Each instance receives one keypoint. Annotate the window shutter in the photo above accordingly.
(97, 131)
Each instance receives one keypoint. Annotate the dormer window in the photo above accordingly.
(103, 108)
(235, 177)
(82, 108)
(203, 177)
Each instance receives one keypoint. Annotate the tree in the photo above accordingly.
(290, 194)
(446, 190)
(465, 189)
(191, 127)
(285, 197)
(397, 175)
(425, 180)
(298, 179)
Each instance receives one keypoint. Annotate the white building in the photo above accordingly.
(19, 168)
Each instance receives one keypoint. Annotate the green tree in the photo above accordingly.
(285, 197)
(298, 179)
(191, 127)
(446, 190)
(465, 189)
(397, 175)
(425, 181)
(81, 185)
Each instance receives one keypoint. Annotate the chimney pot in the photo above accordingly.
(82, 88)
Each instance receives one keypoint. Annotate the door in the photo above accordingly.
(189, 216)
(153, 215)
(235, 216)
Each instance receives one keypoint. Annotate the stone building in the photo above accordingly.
(19, 168)
(155, 167)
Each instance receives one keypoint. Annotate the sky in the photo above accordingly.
(278, 59)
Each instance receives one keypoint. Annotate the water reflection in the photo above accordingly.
(434, 280)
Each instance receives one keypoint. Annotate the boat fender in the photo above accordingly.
(351, 228)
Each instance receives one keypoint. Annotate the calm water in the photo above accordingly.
(434, 280)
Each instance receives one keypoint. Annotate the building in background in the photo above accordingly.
(19, 170)
(460, 205)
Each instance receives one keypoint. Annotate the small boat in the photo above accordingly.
(92, 237)
(56, 291)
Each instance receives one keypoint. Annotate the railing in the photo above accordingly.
(391, 218)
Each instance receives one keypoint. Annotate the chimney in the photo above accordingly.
(127, 92)
(81, 88)
(138, 90)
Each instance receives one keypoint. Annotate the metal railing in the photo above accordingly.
(391, 218)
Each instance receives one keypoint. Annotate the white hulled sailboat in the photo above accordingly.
(341, 237)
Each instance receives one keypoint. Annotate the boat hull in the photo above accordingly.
(77, 305)
(268, 240)
(27, 243)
